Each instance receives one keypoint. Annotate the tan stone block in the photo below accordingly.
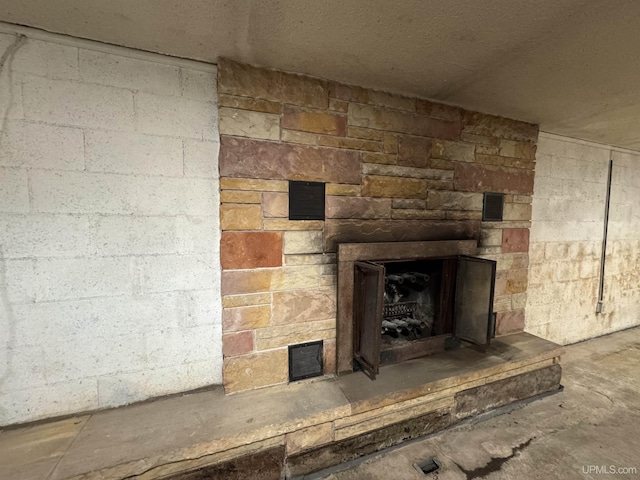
(490, 237)
(275, 205)
(299, 137)
(250, 184)
(239, 343)
(246, 123)
(487, 150)
(329, 356)
(284, 335)
(359, 207)
(522, 199)
(479, 139)
(348, 93)
(519, 301)
(365, 133)
(239, 196)
(314, 259)
(342, 189)
(350, 143)
(401, 122)
(245, 80)
(460, 215)
(410, 203)
(245, 103)
(408, 214)
(509, 148)
(441, 164)
(379, 158)
(303, 242)
(245, 318)
(517, 211)
(410, 172)
(328, 281)
(314, 121)
(502, 303)
(438, 110)
(236, 282)
(255, 370)
(492, 126)
(444, 200)
(310, 437)
(240, 217)
(393, 187)
(303, 306)
(390, 143)
(230, 301)
(338, 105)
(439, 184)
(458, 151)
(282, 224)
(391, 100)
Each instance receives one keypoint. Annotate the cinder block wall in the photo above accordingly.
(396, 168)
(109, 230)
(566, 241)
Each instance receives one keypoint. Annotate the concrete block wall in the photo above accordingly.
(109, 228)
(566, 241)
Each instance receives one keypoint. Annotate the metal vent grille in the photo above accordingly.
(306, 200)
(305, 360)
(492, 207)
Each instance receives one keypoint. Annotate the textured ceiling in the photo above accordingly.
(572, 66)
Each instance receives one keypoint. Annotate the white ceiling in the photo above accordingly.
(572, 65)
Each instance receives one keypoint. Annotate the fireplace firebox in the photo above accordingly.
(412, 299)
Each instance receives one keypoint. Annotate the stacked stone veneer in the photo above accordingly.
(396, 168)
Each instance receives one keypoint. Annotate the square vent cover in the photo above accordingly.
(305, 360)
(492, 207)
(306, 200)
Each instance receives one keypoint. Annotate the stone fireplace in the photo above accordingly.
(404, 300)
(393, 169)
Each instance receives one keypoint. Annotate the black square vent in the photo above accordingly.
(305, 360)
(492, 207)
(306, 200)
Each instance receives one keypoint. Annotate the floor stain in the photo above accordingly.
(494, 464)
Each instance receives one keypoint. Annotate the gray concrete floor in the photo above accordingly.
(589, 431)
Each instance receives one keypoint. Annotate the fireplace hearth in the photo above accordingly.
(412, 299)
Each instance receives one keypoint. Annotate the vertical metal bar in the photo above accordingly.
(603, 255)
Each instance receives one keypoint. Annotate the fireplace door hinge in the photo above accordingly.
(473, 310)
(368, 302)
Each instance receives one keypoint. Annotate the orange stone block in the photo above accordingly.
(250, 250)
(314, 122)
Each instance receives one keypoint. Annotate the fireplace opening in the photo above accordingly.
(413, 308)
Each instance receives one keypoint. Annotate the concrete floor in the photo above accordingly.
(589, 431)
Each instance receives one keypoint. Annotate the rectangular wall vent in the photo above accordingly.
(306, 200)
(305, 360)
(492, 207)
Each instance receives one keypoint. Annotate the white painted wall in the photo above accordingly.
(109, 234)
(566, 241)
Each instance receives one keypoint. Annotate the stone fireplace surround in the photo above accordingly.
(396, 169)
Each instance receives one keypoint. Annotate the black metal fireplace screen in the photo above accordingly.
(408, 309)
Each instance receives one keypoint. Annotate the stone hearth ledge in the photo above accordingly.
(305, 422)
